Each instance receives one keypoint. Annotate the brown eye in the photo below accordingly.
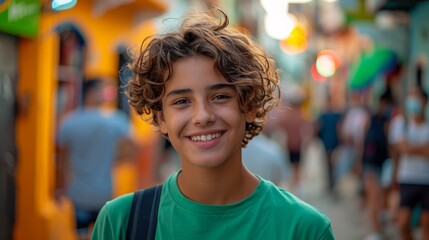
(180, 102)
(221, 97)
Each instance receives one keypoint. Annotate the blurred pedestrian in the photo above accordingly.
(327, 129)
(352, 135)
(266, 158)
(375, 153)
(353, 129)
(298, 131)
(409, 136)
(166, 160)
(208, 87)
(90, 140)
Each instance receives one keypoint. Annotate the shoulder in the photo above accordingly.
(120, 203)
(308, 221)
(118, 208)
(112, 220)
(68, 123)
(397, 122)
(295, 206)
(120, 116)
(305, 211)
(69, 118)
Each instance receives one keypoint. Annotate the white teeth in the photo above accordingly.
(204, 138)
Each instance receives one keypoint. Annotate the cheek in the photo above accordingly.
(175, 121)
(235, 117)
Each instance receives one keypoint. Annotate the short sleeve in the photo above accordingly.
(112, 220)
(103, 227)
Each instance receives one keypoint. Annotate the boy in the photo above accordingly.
(208, 88)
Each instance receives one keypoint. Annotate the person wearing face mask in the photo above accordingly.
(409, 137)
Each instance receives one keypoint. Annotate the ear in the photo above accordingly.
(250, 116)
(161, 122)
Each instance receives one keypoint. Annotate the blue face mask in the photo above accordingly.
(413, 106)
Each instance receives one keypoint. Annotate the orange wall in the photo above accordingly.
(39, 216)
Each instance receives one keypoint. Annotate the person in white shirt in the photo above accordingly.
(266, 158)
(409, 136)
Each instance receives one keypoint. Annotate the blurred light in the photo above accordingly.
(336, 58)
(315, 74)
(327, 62)
(325, 65)
(275, 6)
(58, 5)
(279, 26)
(296, 42)
(329, 1)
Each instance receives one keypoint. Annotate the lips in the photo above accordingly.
(205, 137)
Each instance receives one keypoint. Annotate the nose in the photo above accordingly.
(203, 114)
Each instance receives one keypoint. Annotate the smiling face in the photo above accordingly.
(201, 116)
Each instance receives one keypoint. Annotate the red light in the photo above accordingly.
(315, 74)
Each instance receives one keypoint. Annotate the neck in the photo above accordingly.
(220, 186)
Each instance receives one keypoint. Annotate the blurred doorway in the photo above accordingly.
(70, 71)
(70, 80)
(8, 151)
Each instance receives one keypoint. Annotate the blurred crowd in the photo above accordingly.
(381, 139)
(382, 143)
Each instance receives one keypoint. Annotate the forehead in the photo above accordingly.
(194, 71)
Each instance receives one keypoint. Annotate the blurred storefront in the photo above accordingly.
(8, 153)
(14, 22)
(416, 54)
(45, 57)
(328, 39)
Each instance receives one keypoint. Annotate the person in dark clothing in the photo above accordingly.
(327, 131)
(375, 152)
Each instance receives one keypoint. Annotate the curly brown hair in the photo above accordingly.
(242, 62)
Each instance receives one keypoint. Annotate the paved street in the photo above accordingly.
(349, 219)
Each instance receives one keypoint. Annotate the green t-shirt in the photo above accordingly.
(268, 213)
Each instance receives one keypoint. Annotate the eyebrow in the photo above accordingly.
(213, 87)
(219, 86)
(178, 92)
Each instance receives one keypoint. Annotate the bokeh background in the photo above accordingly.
(329, 52)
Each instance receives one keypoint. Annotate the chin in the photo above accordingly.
(208, 163)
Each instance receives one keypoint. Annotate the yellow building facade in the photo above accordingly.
(39, 215)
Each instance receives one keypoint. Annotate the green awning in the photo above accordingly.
(20, 17)
(370, 66)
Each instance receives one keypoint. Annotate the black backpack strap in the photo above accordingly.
(144, 214)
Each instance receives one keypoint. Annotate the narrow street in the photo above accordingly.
(349, 218)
